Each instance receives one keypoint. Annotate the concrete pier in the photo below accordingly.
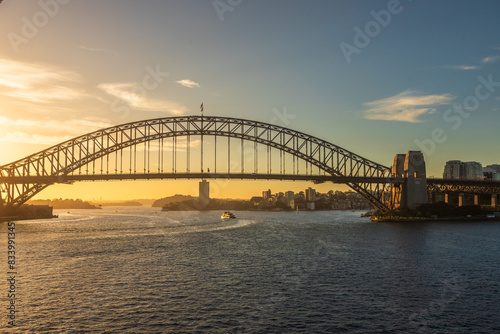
(461, 200)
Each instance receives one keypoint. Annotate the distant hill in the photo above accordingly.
(144, 201)
(127, 203)
(172, 199)
(64, 203)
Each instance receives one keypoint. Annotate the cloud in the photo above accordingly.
(86, 48)
(136, 98)
(188, 83)
(37, 83)
(89, 49)
(22, 137)
(77, 126)
(491, 59)
(47, 132)
(407, 106)
(463, 67)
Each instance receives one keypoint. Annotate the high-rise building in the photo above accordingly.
(495, 167)
(310, 195)
(204, 192)
(266, 194)
(453, 169)
(456, 169)
(492, 172)
(290, 199)
(473, 170)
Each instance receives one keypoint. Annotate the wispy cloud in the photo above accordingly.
(72, 126)
(89, 49)
(188, 83)
(491, 59)
(127, 93)
(38, 83)
(407, 106)
(86, 48)
(48, 132)
(463, 67)
(25, 138)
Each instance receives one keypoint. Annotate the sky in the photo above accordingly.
(374, 77)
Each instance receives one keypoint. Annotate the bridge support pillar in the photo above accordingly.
(413, 192)
(461, 199)
(494, 200)
(476, 199)
(432, 198)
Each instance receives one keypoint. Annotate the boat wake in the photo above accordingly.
(237, 224)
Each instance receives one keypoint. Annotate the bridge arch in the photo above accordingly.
(24, 178)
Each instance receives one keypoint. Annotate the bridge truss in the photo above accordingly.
(475, 187)
(187, 147)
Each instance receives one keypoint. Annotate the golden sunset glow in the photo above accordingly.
(64, 77)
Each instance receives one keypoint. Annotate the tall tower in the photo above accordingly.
(416, 176)
(413, 192)
(204, 193)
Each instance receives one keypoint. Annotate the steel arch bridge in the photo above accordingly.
(156, 145)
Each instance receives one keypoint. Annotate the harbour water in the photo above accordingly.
(140, 270)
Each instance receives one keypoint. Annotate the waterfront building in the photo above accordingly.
(266, 194)
(458, 170)
(473, 170)
(310, 206)
(310, 195)
(453, 169)
(495, 167)
(290, 199)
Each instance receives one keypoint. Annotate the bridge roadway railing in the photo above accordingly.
(476, 187)
(242, 176)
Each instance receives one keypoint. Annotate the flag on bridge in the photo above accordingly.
(201, 107)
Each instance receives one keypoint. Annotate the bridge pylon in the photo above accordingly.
(413, 192)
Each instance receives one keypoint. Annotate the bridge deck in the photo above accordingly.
(153, 176)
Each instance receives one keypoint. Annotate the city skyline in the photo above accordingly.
(368, 76)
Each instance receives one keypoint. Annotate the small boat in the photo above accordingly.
(228, 215)
(164, 208)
